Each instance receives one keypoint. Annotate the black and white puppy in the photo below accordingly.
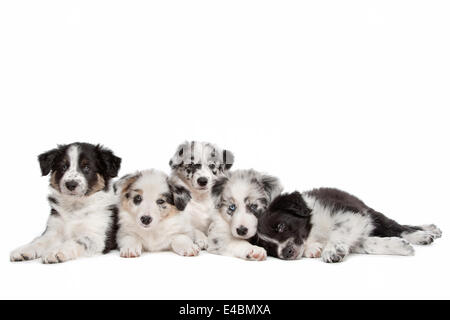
(331, 223)
(83, 215)
(240, 199)
(196, 166)
(150, 219)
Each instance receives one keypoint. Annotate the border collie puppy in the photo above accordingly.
(196, 166)
(83, 217)
(331, 223)
(151, 217)
(240, 199)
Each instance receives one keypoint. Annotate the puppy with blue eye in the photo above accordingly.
(152, 216)
(240, 199)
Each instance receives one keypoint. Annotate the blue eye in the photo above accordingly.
(232, 207)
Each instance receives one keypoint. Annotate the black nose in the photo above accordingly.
(202, 181)
(288, 252)
(242, 231)
(71, 185)
(146, 220)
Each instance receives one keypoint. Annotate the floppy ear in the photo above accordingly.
(123, 184)
(110, 164)
(216, 191)
(177, 158)
(228, 159)
(271, 185)
(47, 160)
(292, 203)
(181, 196)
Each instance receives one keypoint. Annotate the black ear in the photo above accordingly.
(271, 185)
(292, 203)
(109, 163)
(181, 196)
(47, 160)
(179, 155)
(216, 191)
(228, 159)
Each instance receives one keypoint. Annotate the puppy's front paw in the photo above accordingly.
(401, 246)
(334, 253)
(256, 254)
(201, 241)
(189, 251)
(57, 256)
(313, 250)
(23, 254)
(130, 252)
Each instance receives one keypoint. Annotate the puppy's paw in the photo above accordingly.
(201, 241)
(256, 253)
(57, 256)
(190, 250)
(419, 237)
(433, 229)
(334, 253)
(130, 252)
(313, 250)
(23, 254)
(401, 247)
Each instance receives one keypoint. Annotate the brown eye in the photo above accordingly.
(137, 199)
(86, 168)
(160, 201)
(212, 166)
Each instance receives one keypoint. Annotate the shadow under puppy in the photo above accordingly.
(331, 223)
(240, 199)
(151, 216)
(83, 217)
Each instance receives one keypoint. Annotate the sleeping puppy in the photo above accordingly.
(151, 216)
(240, 199)
(83, 215)
(196, 166)
(330, 223)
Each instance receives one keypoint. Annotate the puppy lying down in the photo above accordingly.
(151, 216)
(330, 223)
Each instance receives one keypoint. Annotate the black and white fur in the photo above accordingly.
(151, 218)
(240, 199)
(196, 166)
(331, 223)
(83, 215)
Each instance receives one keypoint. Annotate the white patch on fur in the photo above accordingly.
(73, 174)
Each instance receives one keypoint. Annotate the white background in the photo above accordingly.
(349, 94)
